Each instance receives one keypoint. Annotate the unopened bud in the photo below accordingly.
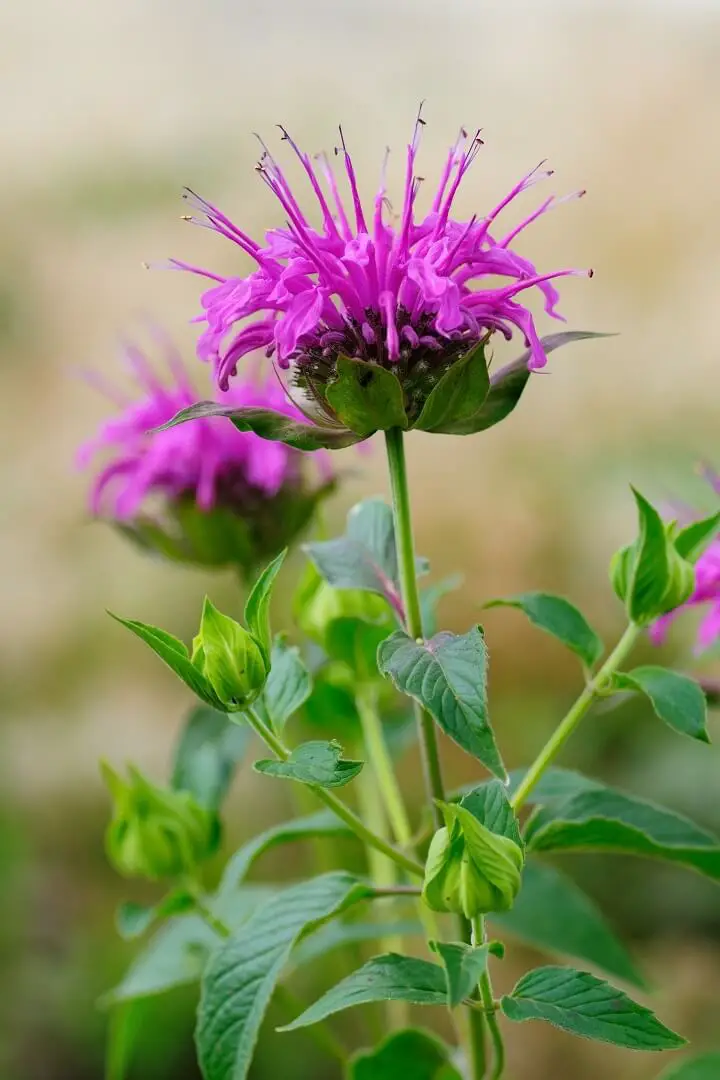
(471, 870)
(230, 659)
(156, 832)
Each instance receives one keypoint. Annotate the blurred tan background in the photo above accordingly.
(108, 109)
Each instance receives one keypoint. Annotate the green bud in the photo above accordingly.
(230, 659)
(470, 870)
(318, 604)
(651, 576)
(156, 832)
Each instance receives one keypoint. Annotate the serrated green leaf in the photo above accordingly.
(315, 762)
(582, 1004)
(366, 397)
(507, 384)
(702, 1067)
(390, 977)
(242, 973)
(447, 676)
(456, 399)
(690, 541)
(257, 607)
(413, 1054)
(288, 685)
(274, 426)
(675, 698)
(206, 755)
(489, 803)
(464, 964)
(557, 616)
(175, 654)
(552, 913)
(603, 819)
(365, 556)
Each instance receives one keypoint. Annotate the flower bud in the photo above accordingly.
(156, 832)
(652, 579)
(471, 870)
(230, 659)
(318, 605)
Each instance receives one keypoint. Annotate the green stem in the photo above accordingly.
(567, 726)
(379, 755)
(411, 601)
(486, 996)
(338, 807)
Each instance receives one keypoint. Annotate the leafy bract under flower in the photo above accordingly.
(411, 293)
(201, 492)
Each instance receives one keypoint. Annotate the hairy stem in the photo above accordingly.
(411, 602)
(488, 1001)
(338, 807)
(567, 725)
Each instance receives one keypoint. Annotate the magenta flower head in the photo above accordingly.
(203, 492)
(381, 319)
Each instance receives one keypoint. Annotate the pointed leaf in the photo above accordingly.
(676, 699)
(603, 819)
(464, 964)
(489, 803)
(365, 557)
(447, 676)
(585, 1005)
(651, 569)
(456, 399)
(560, 618)
(274, 426)
(690, 541)
(175, 654)
(411, 1054)
(703, 1067)
(207, 754)
(508, 384)
(552, 913)
(242, 974)
(257, 608)
(390, 977)
(288, 686)
(366, 397)
(315, 762)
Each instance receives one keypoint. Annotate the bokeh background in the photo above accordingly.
(108, 109)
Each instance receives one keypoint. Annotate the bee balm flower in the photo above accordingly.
(204, 492)
(369, 312)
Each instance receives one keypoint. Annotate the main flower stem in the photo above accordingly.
(338, 807)
(567, 726)
(486, 996)
(411, 600)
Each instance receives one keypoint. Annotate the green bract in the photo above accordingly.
(156, 832)
(456, 397)
(229, 658)
(655, 574)
(469, 869)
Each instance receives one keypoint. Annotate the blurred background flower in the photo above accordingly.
(201, 492)
(622, 100)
